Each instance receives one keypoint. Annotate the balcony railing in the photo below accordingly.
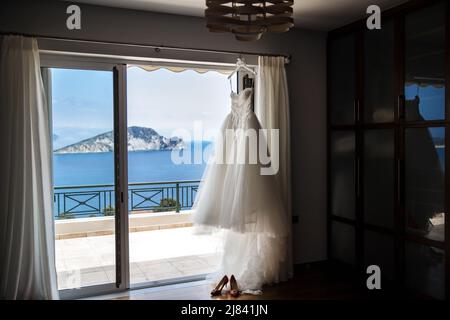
(99, 200)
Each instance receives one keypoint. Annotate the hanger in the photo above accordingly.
(240, 64)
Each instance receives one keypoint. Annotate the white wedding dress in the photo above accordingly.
(246, 206)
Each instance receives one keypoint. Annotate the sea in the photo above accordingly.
(84, 182)
(75, 169)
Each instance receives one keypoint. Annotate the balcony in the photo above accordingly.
(159, 213)
(98, 200)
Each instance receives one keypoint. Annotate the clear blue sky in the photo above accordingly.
(82, 101)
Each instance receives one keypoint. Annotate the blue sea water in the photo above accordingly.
(143, 166)
(76, 174)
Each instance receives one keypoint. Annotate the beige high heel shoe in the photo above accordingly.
(234, 290)
(217, 291)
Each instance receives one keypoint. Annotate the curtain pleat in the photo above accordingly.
(272, 110)
(27, 264)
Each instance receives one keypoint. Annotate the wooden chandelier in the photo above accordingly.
(249, 19)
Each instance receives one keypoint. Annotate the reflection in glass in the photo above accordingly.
(425, 269)
(425, 64)
(379, 74)
(342, 79)
(424, 181)
(379, 250)
(379, 177)
(343, 174)
(343, 242)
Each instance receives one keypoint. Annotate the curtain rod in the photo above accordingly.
(157, 48)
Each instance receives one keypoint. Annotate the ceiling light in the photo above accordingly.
(249, 19)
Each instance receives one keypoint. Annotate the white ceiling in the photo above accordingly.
(310, 14)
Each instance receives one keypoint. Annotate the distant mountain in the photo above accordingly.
(139, 139)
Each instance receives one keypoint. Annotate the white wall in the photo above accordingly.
(306, 76)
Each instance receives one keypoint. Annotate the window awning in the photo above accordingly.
(425, 82)
(178, 68)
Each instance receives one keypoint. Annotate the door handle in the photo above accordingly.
(401, 106)
(399, 181)
(358, 177)
(356, 110)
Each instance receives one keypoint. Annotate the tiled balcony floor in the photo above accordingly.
(154, 255)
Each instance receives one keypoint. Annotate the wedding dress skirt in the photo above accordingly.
(235, 198)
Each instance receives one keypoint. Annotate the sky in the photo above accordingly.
(168, 101)
(82, 102)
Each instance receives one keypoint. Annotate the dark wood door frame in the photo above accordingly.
(397, 14)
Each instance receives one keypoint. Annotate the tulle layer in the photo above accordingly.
(237, 196)
(254, 259)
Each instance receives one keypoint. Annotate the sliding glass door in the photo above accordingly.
(84, 101)
(172, 120)
(122, 198)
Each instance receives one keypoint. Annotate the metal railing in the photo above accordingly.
(99, 200)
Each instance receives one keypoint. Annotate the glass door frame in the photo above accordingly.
(122, 282)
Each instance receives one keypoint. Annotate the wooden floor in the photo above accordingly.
(317, 282)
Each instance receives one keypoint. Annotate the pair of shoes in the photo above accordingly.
(234, 290)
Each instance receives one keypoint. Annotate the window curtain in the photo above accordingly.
(27, 254)
(272, 110)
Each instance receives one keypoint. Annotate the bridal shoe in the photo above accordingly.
(218, 289)
(234, 290)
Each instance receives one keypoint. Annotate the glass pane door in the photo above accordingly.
(424, 182)
(173, 118)
(82, 109)
(425, 271)
(343, 242)
(379, 249)
(425, 64)
(342, 80)
(379, 164)
(343, 174)
(379, 74)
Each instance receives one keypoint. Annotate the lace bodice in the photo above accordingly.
(241, 105)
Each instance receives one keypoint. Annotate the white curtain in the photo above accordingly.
(272, 110)
(27, 257)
